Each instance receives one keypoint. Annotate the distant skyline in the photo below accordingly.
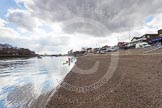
(56, 26)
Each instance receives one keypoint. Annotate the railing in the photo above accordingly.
(154, 49)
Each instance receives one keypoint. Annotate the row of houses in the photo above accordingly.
(136, 42)
(9, 50)
(151, 39)
(102, 50)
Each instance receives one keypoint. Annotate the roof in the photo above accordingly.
(106, 46)
(160, 31)
(150, 35)
(136, 38)
(122, 42)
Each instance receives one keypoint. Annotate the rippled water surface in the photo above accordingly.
(24, 82)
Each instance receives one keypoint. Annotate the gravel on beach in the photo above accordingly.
(136, 83)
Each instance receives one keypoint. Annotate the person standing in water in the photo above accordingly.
(69, 60)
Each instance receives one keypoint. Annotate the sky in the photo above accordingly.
(56, 26)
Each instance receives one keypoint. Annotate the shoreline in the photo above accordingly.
(65, 98)
(11, 56)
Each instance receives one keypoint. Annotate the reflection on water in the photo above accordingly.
(23, 81)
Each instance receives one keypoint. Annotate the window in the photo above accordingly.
(148, 36)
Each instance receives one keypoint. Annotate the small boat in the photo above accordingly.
(65, 63)
(39, 57)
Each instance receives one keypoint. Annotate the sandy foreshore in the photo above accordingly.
(136, 83)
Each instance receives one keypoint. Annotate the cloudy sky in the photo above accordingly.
(56, 26)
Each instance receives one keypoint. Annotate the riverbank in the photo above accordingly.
(136, 83)
(18, 56)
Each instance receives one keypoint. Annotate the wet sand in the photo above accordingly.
(136, 83)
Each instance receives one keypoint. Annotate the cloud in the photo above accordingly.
(39, 40)
(156, 21)
(8, 33)
(23, 19)
(2, 22)
(56, 26)
(117, 15)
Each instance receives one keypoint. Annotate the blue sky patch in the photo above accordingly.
(149, 19)
(46, 28)
(9, 4)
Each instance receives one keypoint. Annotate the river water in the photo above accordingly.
(23, 81)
